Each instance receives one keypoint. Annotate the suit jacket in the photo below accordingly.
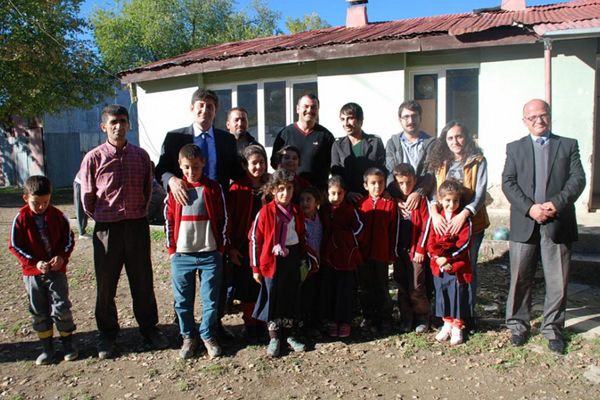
(566, 181)
(227, 155)
(352, 168)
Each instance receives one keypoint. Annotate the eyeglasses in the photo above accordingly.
(534, 118)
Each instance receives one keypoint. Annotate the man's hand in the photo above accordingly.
(257, 277)
(353, 197)
(235, 256)
(550, 209)
(56, 263)
(419, 258)
(179, 190)
(412, 201)
(43, 266)
(538, 213)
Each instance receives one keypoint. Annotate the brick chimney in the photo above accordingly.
(513, 5)
(356, 15)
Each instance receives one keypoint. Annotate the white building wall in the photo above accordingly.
(507, 84)
(378, 93)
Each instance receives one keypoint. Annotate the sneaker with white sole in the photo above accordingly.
(188, 347)
(456, 336)
(274, 347)
(295, 344)
(444, 333)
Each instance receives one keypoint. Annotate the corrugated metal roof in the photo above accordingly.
(538, 19)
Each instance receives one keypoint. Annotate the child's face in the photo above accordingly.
(406, 184)
(283, 194)
(192, 169)
(257, 166)
(335, 195)
(290, 161)
(37, 204)
(308, 204)
(450, 202)
(375, 185)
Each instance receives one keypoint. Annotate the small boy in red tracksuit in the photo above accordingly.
(410, 270)
(42, 241)
(451, 266)
(378, 248)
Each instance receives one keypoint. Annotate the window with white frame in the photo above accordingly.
(271, 105)
(447, 94)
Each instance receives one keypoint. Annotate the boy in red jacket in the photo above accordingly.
(42, 241)
(378, 246)
(196, 237)
(451, 267)
(410, 268)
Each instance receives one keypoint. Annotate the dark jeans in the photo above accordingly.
(373, 291)
(338, 294)
(116, 244)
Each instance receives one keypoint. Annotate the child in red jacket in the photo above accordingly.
(341, 257)
(277, 248)
(42, 241)
(244, 200)
(410, 270)
(196, 238)
(451, 267)
(378, 246)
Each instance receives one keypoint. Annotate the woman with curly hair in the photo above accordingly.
(456, 155)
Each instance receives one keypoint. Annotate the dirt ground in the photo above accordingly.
(405, 366)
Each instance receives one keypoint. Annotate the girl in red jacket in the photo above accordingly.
(451, 267)
(341, 256)
(277, 248)
(244, 199)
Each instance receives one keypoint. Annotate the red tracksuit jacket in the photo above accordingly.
(341, 229)
(25, 243)
(380, 240)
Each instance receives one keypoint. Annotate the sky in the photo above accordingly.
(334, 11)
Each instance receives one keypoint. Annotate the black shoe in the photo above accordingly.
(518, 339)
(556, 345)
(106, 348)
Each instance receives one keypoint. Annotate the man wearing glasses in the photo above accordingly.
(542, 179)
(410, 146)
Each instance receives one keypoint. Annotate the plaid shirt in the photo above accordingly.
(116, 184)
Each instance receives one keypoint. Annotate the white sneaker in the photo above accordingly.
(444, 333)
(456, 337)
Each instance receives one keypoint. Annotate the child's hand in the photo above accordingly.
(43, 266)
(257, 277)
(235, 256)
(56, 263)
(446, 268)
(419, 258)
(403, 210)
(171, 256)
(441, 261)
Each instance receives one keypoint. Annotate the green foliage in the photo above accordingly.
(44, 66)
(138, 32)
(309, 22)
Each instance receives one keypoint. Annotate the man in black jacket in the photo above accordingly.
(218, 147)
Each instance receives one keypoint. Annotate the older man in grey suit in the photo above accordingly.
(542, 179)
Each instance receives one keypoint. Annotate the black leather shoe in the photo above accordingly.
(556, 345)
(518, 339)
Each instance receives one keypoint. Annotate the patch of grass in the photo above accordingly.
(157, 235)
(413, 342)
(76, 276)
(595, 346)
(17, 397)
(17, 326)
(213, 370)
(153, 372)
(184, 386)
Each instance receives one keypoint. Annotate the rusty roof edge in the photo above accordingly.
(291, 56)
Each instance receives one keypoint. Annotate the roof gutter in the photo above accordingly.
(577, 33)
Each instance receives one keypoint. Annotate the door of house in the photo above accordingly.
(594, 201)
(63, 156)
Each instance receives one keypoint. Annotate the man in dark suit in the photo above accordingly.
(542, 179)
(218, 147)
(221, 161)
